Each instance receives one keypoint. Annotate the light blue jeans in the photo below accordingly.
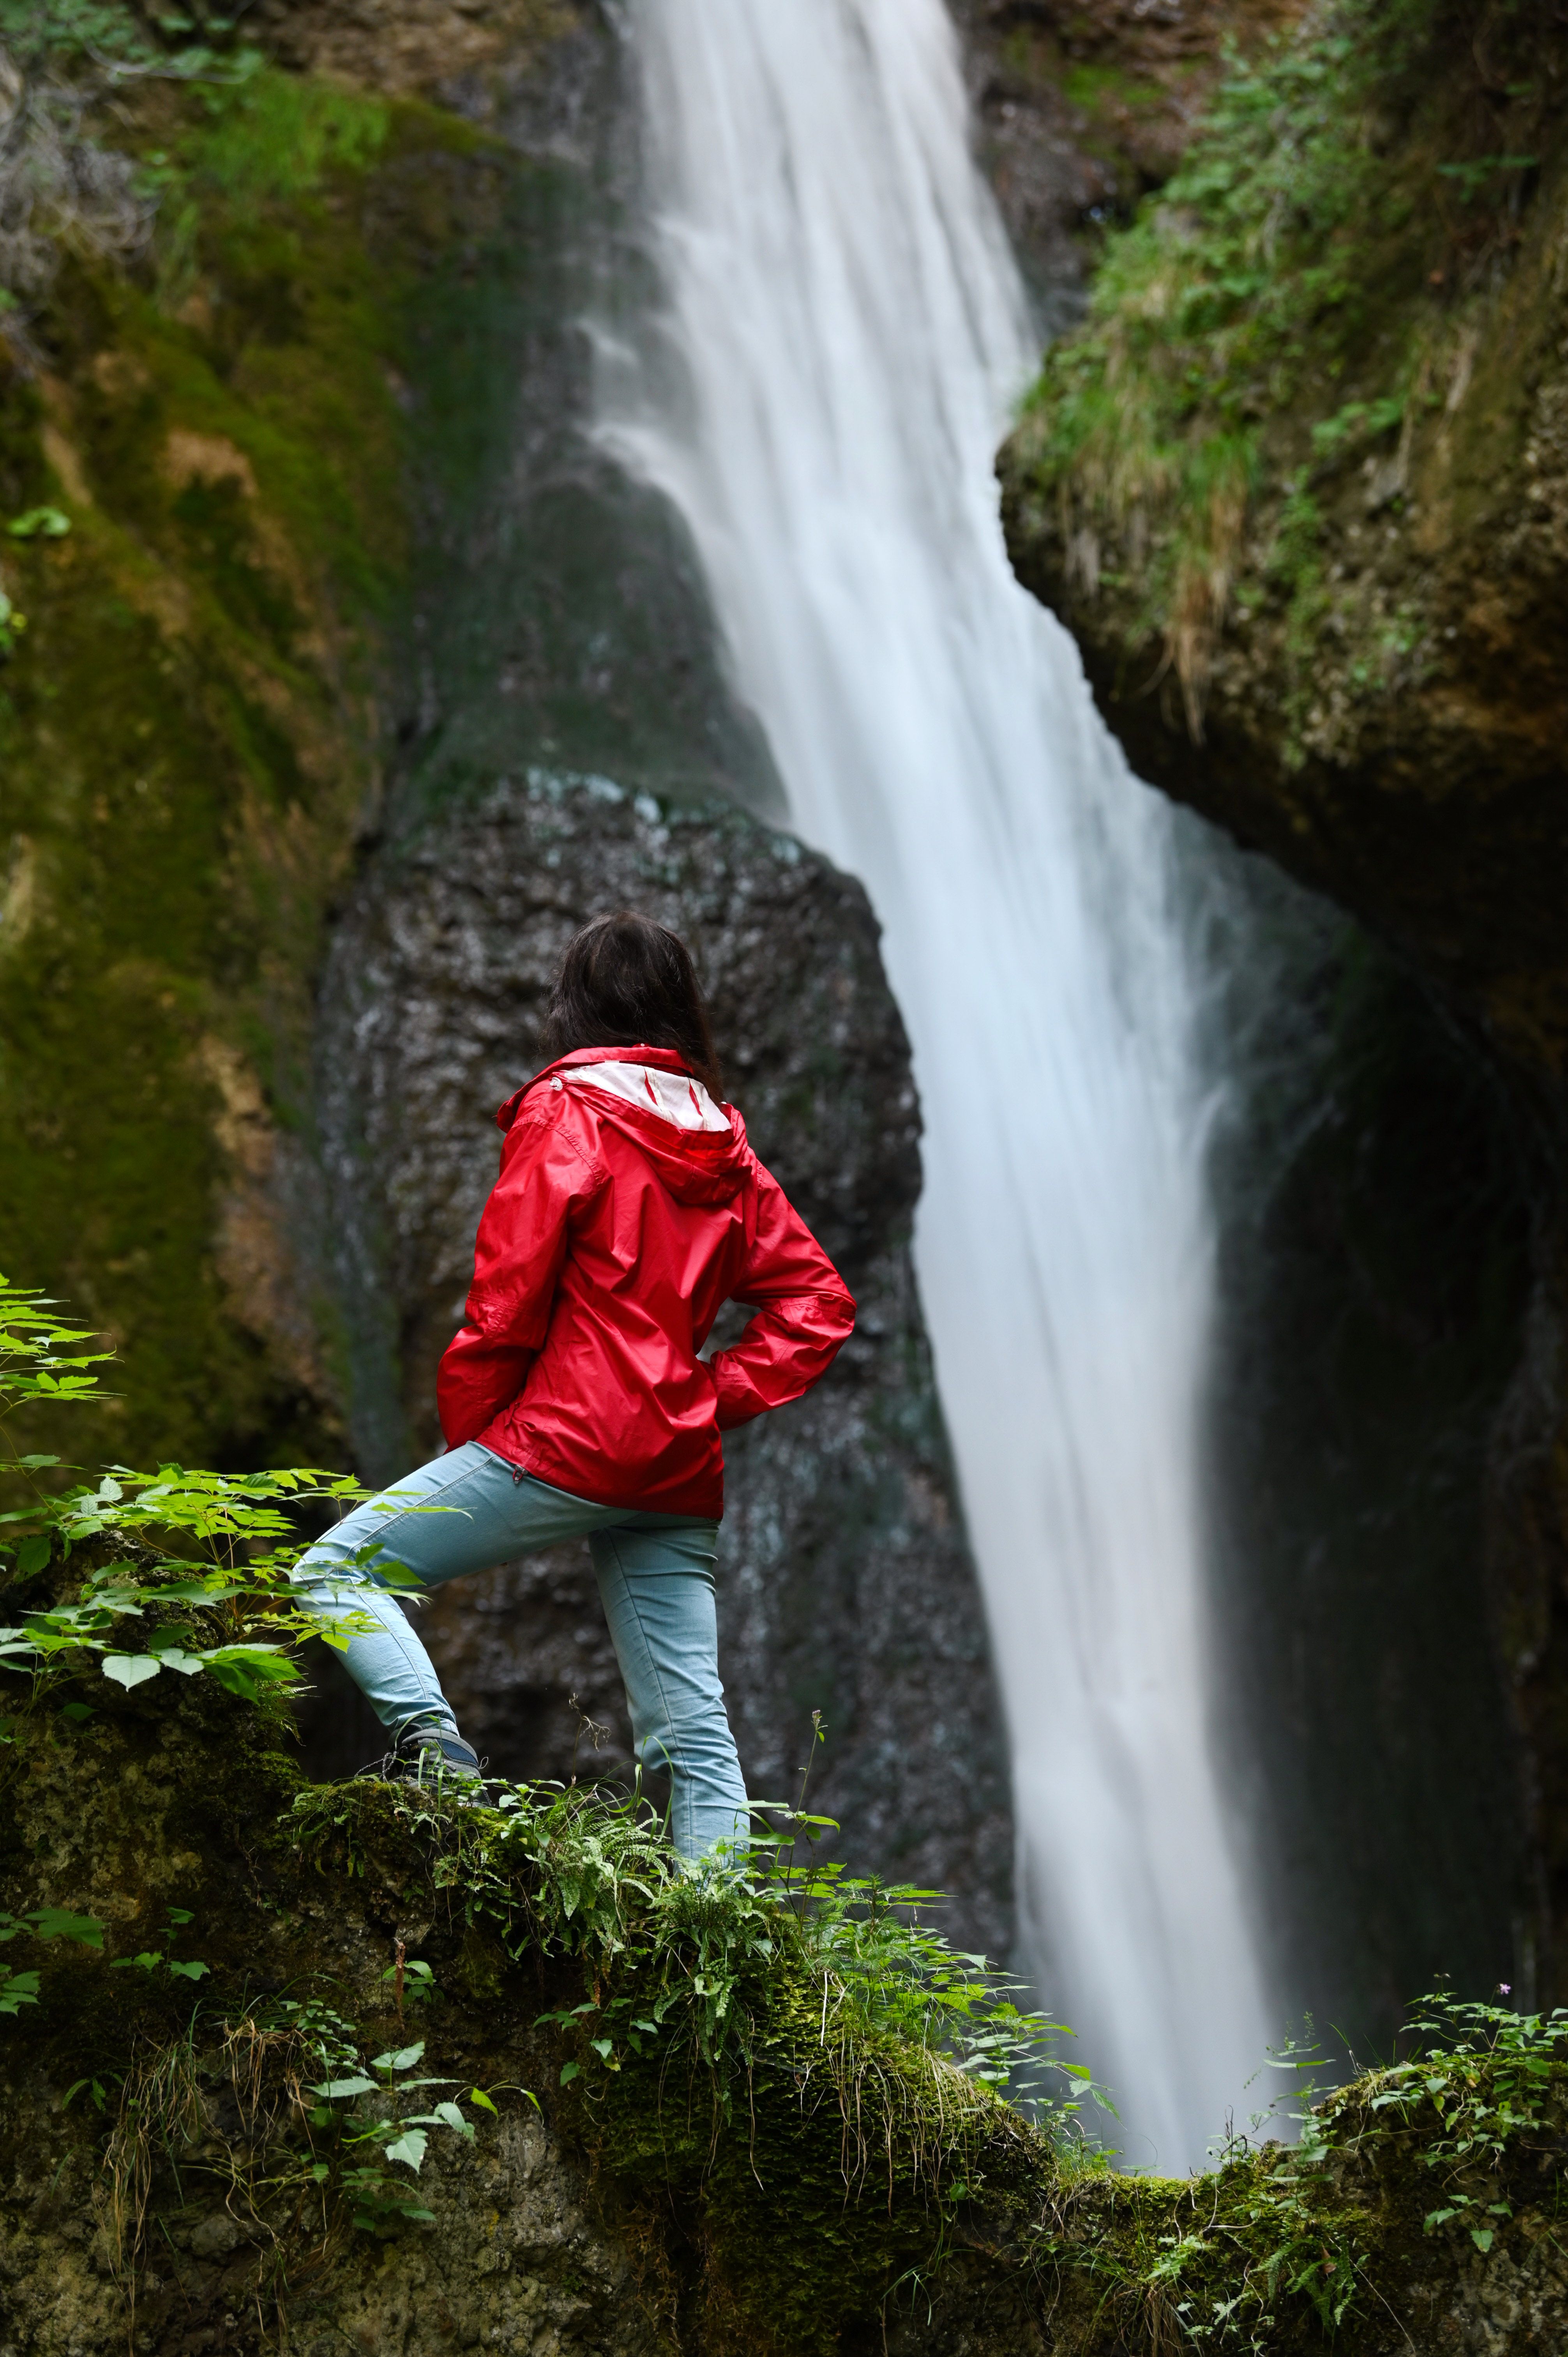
(470, 1508)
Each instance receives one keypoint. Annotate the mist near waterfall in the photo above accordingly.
(842, 331)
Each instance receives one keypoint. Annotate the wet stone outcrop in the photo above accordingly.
(845, 1583)
(1323, 600)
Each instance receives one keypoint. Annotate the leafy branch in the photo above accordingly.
(213, 1554)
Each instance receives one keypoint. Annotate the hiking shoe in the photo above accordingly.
(425, 1751)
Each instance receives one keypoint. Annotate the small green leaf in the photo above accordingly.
(175, 1657)
(19, 1990)
(1483, 2237)
(338, 2090)
(248, 1670)
(33, 1555)
(403, 2059)
(130, 1669)
(40, 524)
(190, 1971)
(569, 2071)
(410, 2149)
(477, 2095)
(59, 1924)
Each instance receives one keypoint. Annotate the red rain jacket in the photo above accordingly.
(608, 1244)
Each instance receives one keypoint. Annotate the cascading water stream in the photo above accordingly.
(822, 400)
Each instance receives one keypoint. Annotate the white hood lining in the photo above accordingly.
(681, 1098)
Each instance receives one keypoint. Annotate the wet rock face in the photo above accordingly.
(845, 1583)
(450, 48)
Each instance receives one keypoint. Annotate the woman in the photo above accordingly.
(572, 1400)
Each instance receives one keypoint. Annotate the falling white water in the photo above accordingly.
(843, 334)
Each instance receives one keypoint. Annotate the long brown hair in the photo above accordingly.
(623, 982)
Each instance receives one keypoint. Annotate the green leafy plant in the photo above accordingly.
(1482, 2075)
(685, 1967)
(206, 1571)
(116, 40)
(17, 1990)
(358, 2117)
(151, 1960)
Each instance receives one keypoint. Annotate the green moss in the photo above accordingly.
(189, 730)
(1099, 89)
(275, 138)
(1268, 320)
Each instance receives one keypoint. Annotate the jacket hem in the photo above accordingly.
(706, 1507)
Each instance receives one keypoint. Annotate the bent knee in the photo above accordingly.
(698, 1732)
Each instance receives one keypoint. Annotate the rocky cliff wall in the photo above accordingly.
(193, 726)
(1296, 489)
(341, 556)
(1291, 486)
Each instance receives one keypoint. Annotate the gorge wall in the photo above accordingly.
(344, 572)
(1295, 487)
(344, 569)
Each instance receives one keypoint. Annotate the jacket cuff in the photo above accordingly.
(735, 1399)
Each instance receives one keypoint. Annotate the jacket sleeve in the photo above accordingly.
(804, 1313)
(518, 1256)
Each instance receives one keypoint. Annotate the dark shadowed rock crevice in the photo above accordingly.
(845, 1583)
(1372, 1288)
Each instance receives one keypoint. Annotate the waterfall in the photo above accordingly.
(842, 331)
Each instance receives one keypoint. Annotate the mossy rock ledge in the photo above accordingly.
(1299, 487)
(841, 2190)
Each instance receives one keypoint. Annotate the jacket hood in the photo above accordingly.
(697, 1166)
